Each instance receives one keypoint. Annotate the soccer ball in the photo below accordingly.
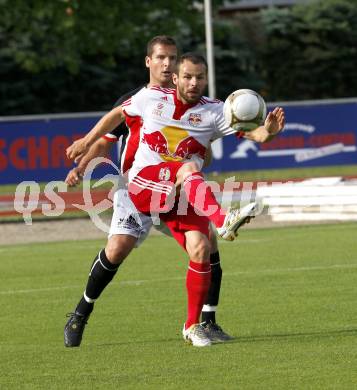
(244, 110)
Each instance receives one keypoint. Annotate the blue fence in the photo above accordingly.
(316, 134)
(33, 147)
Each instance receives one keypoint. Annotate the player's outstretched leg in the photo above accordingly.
(101, 273)
(234, 219)
(200, 196)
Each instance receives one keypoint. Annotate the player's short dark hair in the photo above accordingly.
(159, 40)
(195, 58)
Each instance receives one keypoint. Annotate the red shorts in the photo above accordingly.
(153, 191)
(180, 224)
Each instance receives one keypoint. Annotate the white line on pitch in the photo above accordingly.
(226, 274)
(245, 241)
(297, 269)
(35, 290)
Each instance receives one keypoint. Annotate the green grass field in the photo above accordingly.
(288, 296)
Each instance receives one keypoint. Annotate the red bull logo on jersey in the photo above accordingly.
(174, 144)
(194, 119)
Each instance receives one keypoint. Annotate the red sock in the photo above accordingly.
(200, 196)
(198, 280)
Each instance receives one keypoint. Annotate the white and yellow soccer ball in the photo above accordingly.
(244, 110)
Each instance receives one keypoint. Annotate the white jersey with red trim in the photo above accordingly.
(129, 134)
(171, 130)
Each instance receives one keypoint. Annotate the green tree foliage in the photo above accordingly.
(310, 51)
(77, 55)
(236, 54)
(72, 55)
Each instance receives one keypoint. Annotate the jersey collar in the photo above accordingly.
(180, 108)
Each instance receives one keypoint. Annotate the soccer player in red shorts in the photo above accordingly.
(178, 126)
(124, 231)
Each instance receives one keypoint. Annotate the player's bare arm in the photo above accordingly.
(105, 125)
(273, 125)
(100, 148)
